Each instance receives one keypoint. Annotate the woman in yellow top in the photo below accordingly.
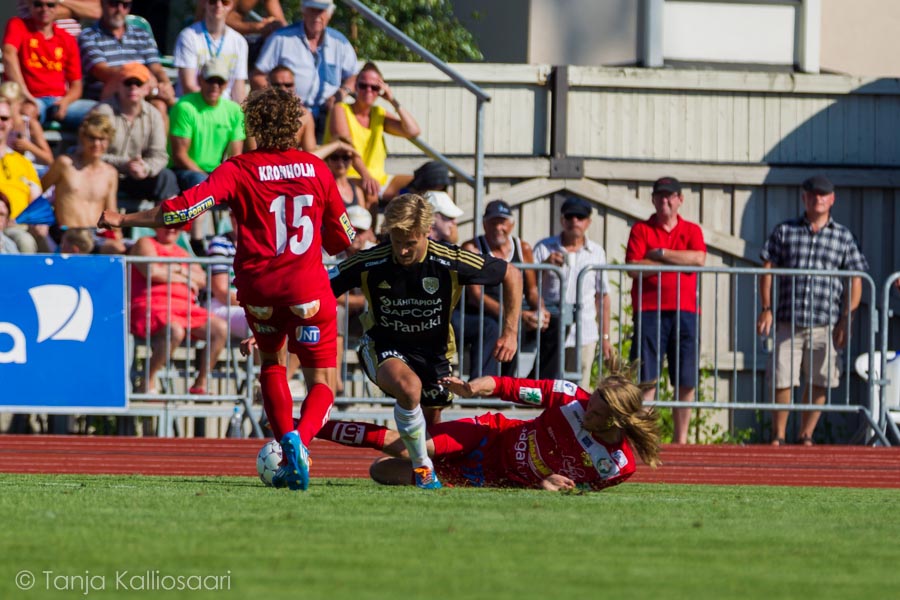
(365, 124)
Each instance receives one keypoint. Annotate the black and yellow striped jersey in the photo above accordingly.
(410, 307)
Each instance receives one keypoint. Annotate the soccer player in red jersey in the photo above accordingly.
(288, 209)
(581, 439)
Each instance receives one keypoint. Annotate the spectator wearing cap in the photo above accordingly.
(322, 59)
(665, 304)
(572, 251)
(433, 176)
(446, 212)
(361, 220)
(812, 312)
(205, 130)
(112, 43)
(498, 240)
(44, 60)
(138, 147)
(209, 37)
(205, 127)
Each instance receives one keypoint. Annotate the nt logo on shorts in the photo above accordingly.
(307, 334)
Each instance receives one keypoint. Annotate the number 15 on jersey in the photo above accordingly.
(302, 240)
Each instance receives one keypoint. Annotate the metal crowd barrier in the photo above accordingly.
(230, 376)
(887, 378)
(732, 295)
(730, 354)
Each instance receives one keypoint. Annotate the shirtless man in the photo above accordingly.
(85, 185)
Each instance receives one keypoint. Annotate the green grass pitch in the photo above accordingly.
(353, 539)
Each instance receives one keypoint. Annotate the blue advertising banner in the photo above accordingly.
(62, 333)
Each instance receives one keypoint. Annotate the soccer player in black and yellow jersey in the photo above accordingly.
(411, 285)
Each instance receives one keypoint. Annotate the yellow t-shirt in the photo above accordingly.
(15, 168)
(368, 141)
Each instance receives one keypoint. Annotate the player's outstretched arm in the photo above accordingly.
(145, 218)
(480, 386)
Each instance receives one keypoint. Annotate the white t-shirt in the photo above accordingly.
(596, 283)
(194, 47)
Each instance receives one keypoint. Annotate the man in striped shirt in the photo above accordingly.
(110, 44)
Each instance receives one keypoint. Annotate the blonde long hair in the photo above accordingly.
(626, 401)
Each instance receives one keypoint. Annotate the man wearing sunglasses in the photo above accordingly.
(322, 59)
(572, 251)
(44, 61)
(112, 43)
(69, 14)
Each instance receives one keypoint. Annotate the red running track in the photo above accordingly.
(834, 466)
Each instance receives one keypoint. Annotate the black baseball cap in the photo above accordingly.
(497, 208)
(666, 185)
(819, 184)
(576, 206)
(433, 175)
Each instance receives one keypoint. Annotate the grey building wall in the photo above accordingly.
(573, 32)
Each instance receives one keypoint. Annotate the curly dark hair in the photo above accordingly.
(272, 116)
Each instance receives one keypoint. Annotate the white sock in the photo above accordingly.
(411, 427)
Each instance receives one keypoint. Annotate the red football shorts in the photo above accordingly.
(310, 328)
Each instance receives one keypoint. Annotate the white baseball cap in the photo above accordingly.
(319, 4)
(360, 218)
(442, 203)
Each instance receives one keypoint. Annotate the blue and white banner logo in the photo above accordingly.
(62, 333)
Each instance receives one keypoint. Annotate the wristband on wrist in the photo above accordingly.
(767, 309)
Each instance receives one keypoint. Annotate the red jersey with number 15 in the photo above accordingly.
(288, 208)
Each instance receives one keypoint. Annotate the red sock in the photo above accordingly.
(314, 412)
(277, 399)
(351, 433)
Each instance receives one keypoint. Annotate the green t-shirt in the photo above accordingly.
(210, 128)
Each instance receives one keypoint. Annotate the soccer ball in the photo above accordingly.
(267, 461)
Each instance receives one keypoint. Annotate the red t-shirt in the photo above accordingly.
(47, 65)
(554, 441)
(288, 208)
(646, 236)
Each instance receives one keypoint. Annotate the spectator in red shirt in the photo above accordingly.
(45, 61)
(665, 304)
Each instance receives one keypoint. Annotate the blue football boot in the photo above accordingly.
(426, 478)
(294, 472)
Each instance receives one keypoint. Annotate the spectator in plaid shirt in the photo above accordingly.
(812, 312)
